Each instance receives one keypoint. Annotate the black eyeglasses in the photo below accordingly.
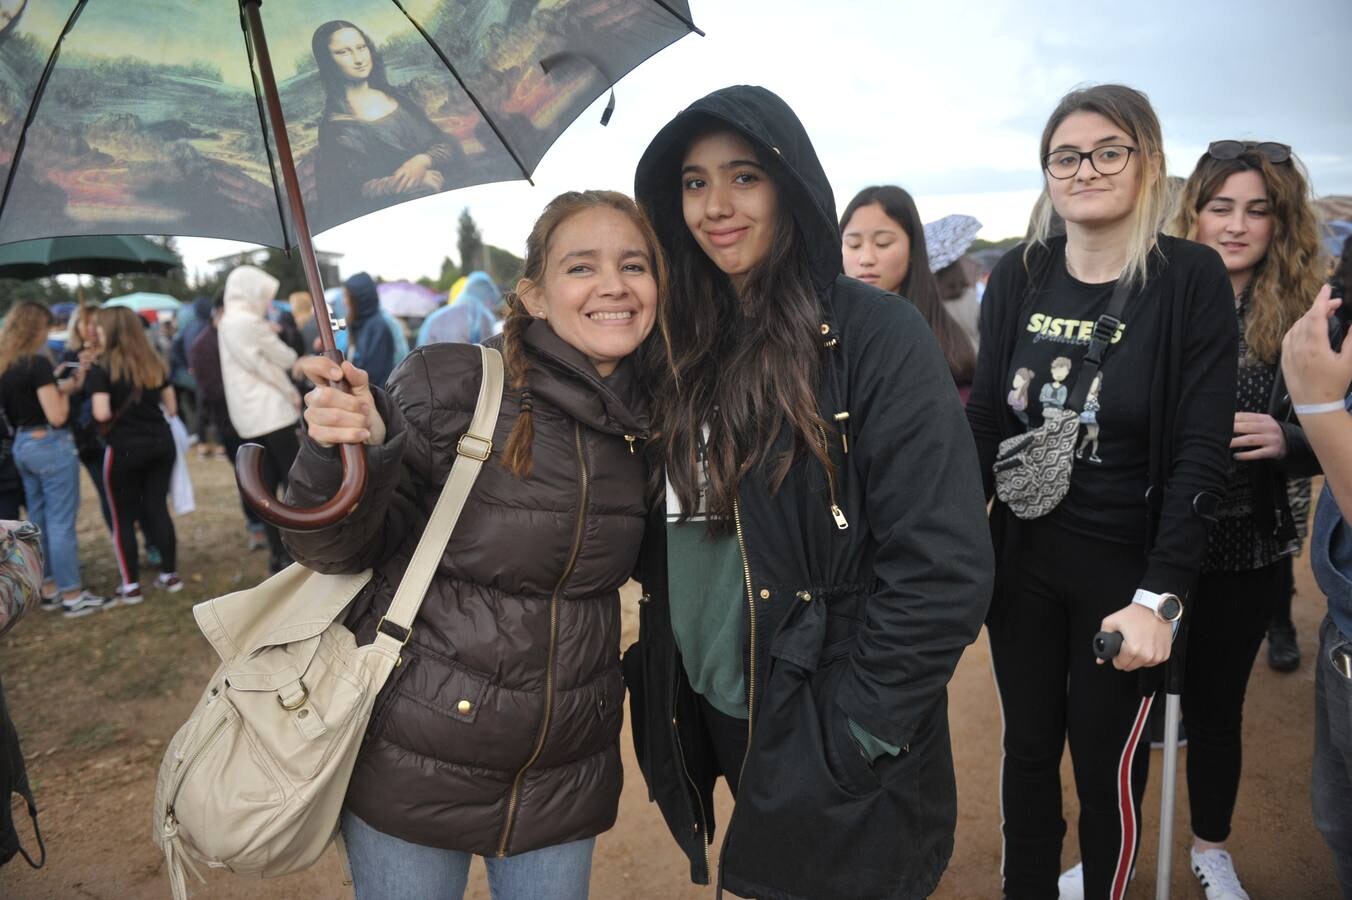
(1063, 164)
(1226, 150)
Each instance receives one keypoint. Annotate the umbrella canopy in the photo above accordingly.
(149, 116)
(100, 255)
(404, 298)
(144, 301)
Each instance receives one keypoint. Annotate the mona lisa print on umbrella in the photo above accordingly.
(263, 122)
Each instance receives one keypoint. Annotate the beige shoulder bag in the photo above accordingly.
(254, 781)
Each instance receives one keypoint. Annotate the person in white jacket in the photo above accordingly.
(260, 396)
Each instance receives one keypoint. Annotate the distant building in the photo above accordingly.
(328, 263)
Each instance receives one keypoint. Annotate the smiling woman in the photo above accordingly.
(499, 735)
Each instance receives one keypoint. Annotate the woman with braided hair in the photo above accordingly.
(499, 734)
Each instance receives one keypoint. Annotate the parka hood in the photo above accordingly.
(365, 298)
(249, 289)
(767, 122)
(201, 307)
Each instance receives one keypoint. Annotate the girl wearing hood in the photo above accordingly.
(821, 559)
(1121, 550)
(256, 369)
(498, 736)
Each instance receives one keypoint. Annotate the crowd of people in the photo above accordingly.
(827, 528)
(824, 489)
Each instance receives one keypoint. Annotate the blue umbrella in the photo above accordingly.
(145, 301)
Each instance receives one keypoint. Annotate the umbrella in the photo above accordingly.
(144, 301)
(168, 117)
(404, 298)
(99, 255)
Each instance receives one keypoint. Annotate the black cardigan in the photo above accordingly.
(1192, 394)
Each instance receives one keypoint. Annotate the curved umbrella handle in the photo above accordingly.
(249, 474)
(249, 459)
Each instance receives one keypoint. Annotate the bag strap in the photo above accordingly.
(106, 428)
(475, 446)
(1105, 329)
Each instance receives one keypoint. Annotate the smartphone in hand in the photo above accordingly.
(65, 370)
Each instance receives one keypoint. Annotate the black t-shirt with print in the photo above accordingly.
(19, 389)
(142, 423)
(1112, 451)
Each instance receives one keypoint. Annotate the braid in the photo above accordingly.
(517, 457)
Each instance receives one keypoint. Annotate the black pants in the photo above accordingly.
(136, 479)
(231, 441)
(279, 452)
(728, 736)
(92, 460)
(1050, 687)
(1228, 618)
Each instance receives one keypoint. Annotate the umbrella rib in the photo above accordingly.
(263, 125)
(33, 106)
(685, 20)
(436, 48)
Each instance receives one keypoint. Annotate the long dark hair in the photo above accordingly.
(920, 286)
(334, 81)
(743, 363)
(517, 457)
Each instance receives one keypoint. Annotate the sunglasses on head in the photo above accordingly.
(1225, 150)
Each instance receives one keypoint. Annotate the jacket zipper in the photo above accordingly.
(836, 512)
(751, 677)
(699, 801)
(751, 631)
(515, 796)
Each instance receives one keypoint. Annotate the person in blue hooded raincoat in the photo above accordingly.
(469, 318)
(370, 342)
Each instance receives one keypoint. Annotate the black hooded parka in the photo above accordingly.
(862, 588)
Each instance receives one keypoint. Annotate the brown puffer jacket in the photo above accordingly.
(499, 733)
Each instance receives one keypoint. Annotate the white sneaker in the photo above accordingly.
(1071, 883)
(1216, 870)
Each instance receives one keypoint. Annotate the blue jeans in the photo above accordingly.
(50, 471)
(387, 868)
(1332, 781)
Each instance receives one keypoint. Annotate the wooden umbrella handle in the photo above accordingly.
(249, 459)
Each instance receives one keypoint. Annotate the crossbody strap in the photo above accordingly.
(475, 446)
(1105, 329)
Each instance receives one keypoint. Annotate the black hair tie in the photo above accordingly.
(527, 401)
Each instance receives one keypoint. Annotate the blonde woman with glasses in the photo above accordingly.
(1120, 551)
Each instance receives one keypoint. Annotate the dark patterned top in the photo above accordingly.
(1235, 543)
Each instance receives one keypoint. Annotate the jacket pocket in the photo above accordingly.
(844, 755)
(385, 700)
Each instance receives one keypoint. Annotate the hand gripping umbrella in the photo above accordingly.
(176, 117)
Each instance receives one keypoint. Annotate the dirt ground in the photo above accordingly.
(96, 700)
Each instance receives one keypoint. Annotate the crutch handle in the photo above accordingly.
(1107, 644)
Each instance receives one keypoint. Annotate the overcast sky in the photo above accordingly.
(946, 99)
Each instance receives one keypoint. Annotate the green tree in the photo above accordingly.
(470, 243)
(286, 269)
(504, 267)
(450, 274)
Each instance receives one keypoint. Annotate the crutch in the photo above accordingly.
(1106, 646)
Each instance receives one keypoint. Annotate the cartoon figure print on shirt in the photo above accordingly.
(1054, 393)
(1046, 365)
(1018, 395)
(1089, 419)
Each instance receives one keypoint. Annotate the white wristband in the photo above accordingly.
(1314, 409)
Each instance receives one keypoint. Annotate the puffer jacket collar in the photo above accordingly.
(568, 380)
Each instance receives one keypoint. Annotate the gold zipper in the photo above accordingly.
(836, 512)
(699, 801)
(751, 605)
(630, 439)
(515, 797)
(186, 765)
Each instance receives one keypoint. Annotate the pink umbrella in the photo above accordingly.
(404, 298)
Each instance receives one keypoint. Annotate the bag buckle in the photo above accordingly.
(297, 703)
(1105, 329)
(479, 448)
(394, 631)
